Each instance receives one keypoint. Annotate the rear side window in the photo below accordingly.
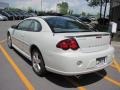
(65, 25)
(30, 25)
(35, 26)
(24, 25)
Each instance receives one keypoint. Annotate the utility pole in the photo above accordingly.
(41, 5)
(101, 8)
(58, 1)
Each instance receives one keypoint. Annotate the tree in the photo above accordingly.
(94, 3)
(83, 14)
(70, 12)
(98, 15)
(63, 7)
(30, 10)
(89, 14)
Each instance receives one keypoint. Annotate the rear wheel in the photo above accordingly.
(38, 63)
(9, 41)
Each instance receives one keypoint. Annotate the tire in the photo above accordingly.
(9, 41)
(38, 63)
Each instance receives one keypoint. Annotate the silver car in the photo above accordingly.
(3, 18)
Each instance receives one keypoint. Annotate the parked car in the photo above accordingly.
(93, 18)
(90, 26)
(85, 20)
(29, 15)
(72, 17)
(33, 14)
(61, 45)
(10, 17)
(3, 18)
(20, 15)
(15, 17)
(24, 14)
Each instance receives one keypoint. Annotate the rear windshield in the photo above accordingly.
(65, 25)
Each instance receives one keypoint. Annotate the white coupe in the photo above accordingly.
(61, 45)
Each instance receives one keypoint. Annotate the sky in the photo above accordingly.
(77, 6)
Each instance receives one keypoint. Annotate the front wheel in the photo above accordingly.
(38, 63)
(9, 41)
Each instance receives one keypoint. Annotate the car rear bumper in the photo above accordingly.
(77, 63)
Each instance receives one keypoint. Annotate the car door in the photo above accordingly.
(18, 34)
(33, 30)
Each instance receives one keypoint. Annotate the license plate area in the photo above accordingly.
(100, 61)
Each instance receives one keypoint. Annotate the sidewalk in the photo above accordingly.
(116, 44)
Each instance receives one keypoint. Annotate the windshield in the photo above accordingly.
(65, 25)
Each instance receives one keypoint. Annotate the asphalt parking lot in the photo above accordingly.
(16, 72)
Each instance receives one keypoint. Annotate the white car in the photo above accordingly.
(3, 18)
(61, 45)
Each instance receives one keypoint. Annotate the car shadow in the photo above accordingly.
(23, 57)
(60, 80)
(83, 80)
(91, 78)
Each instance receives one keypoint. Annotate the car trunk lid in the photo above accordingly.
(90, 41)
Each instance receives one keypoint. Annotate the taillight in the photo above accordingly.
(68, 44)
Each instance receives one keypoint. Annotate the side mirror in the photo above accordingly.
(113, 27)
(14, 26)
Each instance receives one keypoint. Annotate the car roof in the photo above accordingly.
(47, 17)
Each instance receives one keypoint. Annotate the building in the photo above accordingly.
(3, 5)
(115, 12)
